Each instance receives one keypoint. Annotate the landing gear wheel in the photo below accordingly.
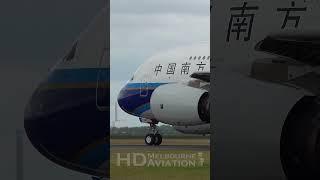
(158, 139)
(149, 139)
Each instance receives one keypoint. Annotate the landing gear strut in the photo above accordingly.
(153, 138)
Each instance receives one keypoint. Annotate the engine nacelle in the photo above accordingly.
(178, 104)
(300, 145)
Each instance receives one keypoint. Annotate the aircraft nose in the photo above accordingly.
(132, 101)
(128, 98)
(122, 99)
(64, 124)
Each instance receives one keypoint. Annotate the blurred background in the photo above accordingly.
(34, 34)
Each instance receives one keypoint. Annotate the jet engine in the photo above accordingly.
(180, 105)
(300, 139)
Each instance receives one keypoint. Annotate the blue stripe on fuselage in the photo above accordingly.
(142, 85)
(81, 75)
(59, 121)
(134, 98)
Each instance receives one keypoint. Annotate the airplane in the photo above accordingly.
(172, 88)
(265, 90)
(67, 117)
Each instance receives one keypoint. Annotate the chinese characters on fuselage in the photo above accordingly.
(242, 22)
(242, 19)
(183, 68)
(289, 16)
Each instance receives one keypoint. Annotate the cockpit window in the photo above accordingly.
(72, 53)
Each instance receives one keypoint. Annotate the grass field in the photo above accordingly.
(171, 141)
(160, 164)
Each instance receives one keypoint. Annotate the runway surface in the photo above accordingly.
(164, 147)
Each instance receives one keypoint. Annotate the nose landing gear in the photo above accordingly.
(153, 138)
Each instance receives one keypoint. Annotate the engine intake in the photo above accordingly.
(300, 140)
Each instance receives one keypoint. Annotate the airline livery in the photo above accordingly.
(270, 122)
(171, 88)
(67, 117)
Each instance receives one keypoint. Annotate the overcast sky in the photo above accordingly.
(141, 28)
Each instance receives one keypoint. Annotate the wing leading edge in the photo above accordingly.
(204, 76)
(297, 62)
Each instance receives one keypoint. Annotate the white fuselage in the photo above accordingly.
(173, 67)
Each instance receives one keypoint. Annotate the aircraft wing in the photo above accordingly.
(204, 76)
(302, 47)
(297, 61)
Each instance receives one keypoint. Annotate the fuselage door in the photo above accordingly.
(102, 88)
(144, 89)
